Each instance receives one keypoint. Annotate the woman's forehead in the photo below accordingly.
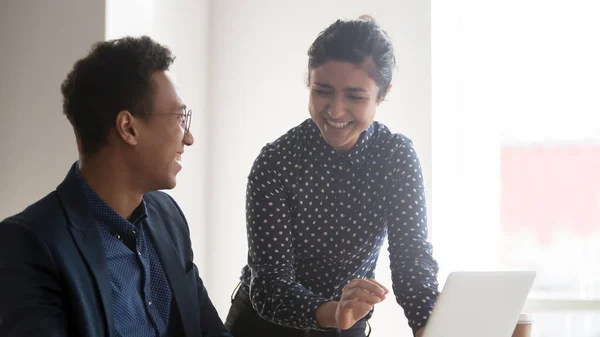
(339, 74)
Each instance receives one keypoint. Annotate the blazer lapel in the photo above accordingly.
(87, 239)
(174, 269)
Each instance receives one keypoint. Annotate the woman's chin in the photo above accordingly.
(340, 144)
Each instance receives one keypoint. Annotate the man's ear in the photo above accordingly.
(126, 126)
(382, 98)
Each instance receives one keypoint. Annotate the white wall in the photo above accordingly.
(40, 40)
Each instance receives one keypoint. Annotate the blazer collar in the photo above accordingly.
(87, 238)
(85, 233)
(175, 271)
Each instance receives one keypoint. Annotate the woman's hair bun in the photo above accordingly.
(367, 17)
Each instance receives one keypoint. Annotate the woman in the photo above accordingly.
(322, 198)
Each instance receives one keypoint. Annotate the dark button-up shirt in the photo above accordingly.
(140, 291)
(317, 219)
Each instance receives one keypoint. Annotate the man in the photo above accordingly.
(106, 254)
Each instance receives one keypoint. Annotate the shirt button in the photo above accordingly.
(133, 232)
(150, 303)
(118, 236)
(139, 253)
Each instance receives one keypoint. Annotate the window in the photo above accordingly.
(550, 211)
(516, 150)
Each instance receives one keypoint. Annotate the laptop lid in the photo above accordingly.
(475, 304)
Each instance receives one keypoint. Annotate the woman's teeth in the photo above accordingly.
(338, 125)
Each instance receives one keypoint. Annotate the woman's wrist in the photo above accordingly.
(326, 314)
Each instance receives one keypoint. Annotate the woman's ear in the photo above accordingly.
(382, 97)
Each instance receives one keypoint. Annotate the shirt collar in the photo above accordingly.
(104, 214)
(357, 155)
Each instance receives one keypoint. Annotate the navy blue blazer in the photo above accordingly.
(54, 279)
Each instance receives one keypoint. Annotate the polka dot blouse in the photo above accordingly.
(317, 219)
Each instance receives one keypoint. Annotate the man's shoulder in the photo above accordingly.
(165, 206)
(158, 198)
(40, 216)
(161, 205)
(161, 201)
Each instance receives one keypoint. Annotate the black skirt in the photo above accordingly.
(244, 321)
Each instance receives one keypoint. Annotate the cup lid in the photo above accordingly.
(525, 318)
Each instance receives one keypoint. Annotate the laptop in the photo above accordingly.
(476, 304)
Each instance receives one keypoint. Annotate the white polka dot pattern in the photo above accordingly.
(317, 219)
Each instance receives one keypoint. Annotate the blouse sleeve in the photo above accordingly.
(274, 292)
(414, 270)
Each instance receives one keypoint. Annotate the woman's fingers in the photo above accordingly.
(358, 294)
(368, 285)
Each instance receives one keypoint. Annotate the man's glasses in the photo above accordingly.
(186, 118)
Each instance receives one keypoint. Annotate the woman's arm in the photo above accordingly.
(274, 291)
(414, 270)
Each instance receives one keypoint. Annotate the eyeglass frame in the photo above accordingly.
(186, 118)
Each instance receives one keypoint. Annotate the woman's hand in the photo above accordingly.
(358, 298)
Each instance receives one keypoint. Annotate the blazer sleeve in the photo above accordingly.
(211, 324)
(31, 296)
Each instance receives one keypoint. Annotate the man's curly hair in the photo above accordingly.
(114, 76)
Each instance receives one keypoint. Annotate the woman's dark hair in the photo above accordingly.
(116, 75)
(354, 41)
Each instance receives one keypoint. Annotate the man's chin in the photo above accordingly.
(171, 184)
(167, 184)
